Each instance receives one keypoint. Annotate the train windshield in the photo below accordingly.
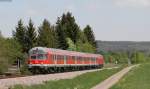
(39, 56)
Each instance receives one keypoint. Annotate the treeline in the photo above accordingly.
(65, 34)
(126, 57)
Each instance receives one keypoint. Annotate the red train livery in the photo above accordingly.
(50, 59)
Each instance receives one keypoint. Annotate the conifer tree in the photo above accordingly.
(46, 37)
(20, 35)
(31, 35)
(70, 26)
(90, 35)
(61, 37)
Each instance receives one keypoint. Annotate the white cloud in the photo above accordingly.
(132, 3)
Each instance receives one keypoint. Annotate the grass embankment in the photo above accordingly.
(137, 78)
(84, 81)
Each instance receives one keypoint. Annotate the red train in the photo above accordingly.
(43, 60)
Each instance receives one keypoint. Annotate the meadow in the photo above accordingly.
(137, 78)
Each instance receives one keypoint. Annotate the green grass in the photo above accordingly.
(137, 78)
(84, 81)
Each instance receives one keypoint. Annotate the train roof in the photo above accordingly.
(64, 52)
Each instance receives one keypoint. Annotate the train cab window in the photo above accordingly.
(41, 56)
(33, 57)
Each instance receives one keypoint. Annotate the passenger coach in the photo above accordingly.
(43, 59)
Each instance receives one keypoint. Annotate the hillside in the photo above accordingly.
(123, 46)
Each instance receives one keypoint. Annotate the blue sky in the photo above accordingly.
(116, 20)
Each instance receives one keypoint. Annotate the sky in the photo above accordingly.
(111, 20)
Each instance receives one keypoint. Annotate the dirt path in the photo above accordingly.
(38, 79)
(106, 84)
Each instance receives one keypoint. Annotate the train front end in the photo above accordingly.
(38, 58)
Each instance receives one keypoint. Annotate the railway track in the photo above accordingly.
(39, 79)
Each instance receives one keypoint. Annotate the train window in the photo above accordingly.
(57, 57)
(60, 57)
(33, 57)
(67, 57)
(41, 56)
(52, 57)
(93, 60)
(73, 57)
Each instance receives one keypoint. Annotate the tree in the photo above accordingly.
(82, 37)
(70, 26)
(61, 37)
(90, 35)
(72, 46)
(1, 34)
(10, 51)
(31, 35)
(46, 37)
(85, 47)
(138, 57)
(20, 35)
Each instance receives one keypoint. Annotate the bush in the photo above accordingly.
(24, 70)
(10, 51)
(3, 66)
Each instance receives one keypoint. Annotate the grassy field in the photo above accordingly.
(137, 78)
(85, 81)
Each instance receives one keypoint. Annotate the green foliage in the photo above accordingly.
(46, 37)
(85, 47)
(10, 51)
(31, 35)
(61, 37)
(90, 35)
(24, 70)
(115, 57)
(72, 46)
(20, 35)
(4, 65)
(70, 26)
(138, 57)
(1, 34)
(124, 57)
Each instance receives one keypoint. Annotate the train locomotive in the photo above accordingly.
(47, 60)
